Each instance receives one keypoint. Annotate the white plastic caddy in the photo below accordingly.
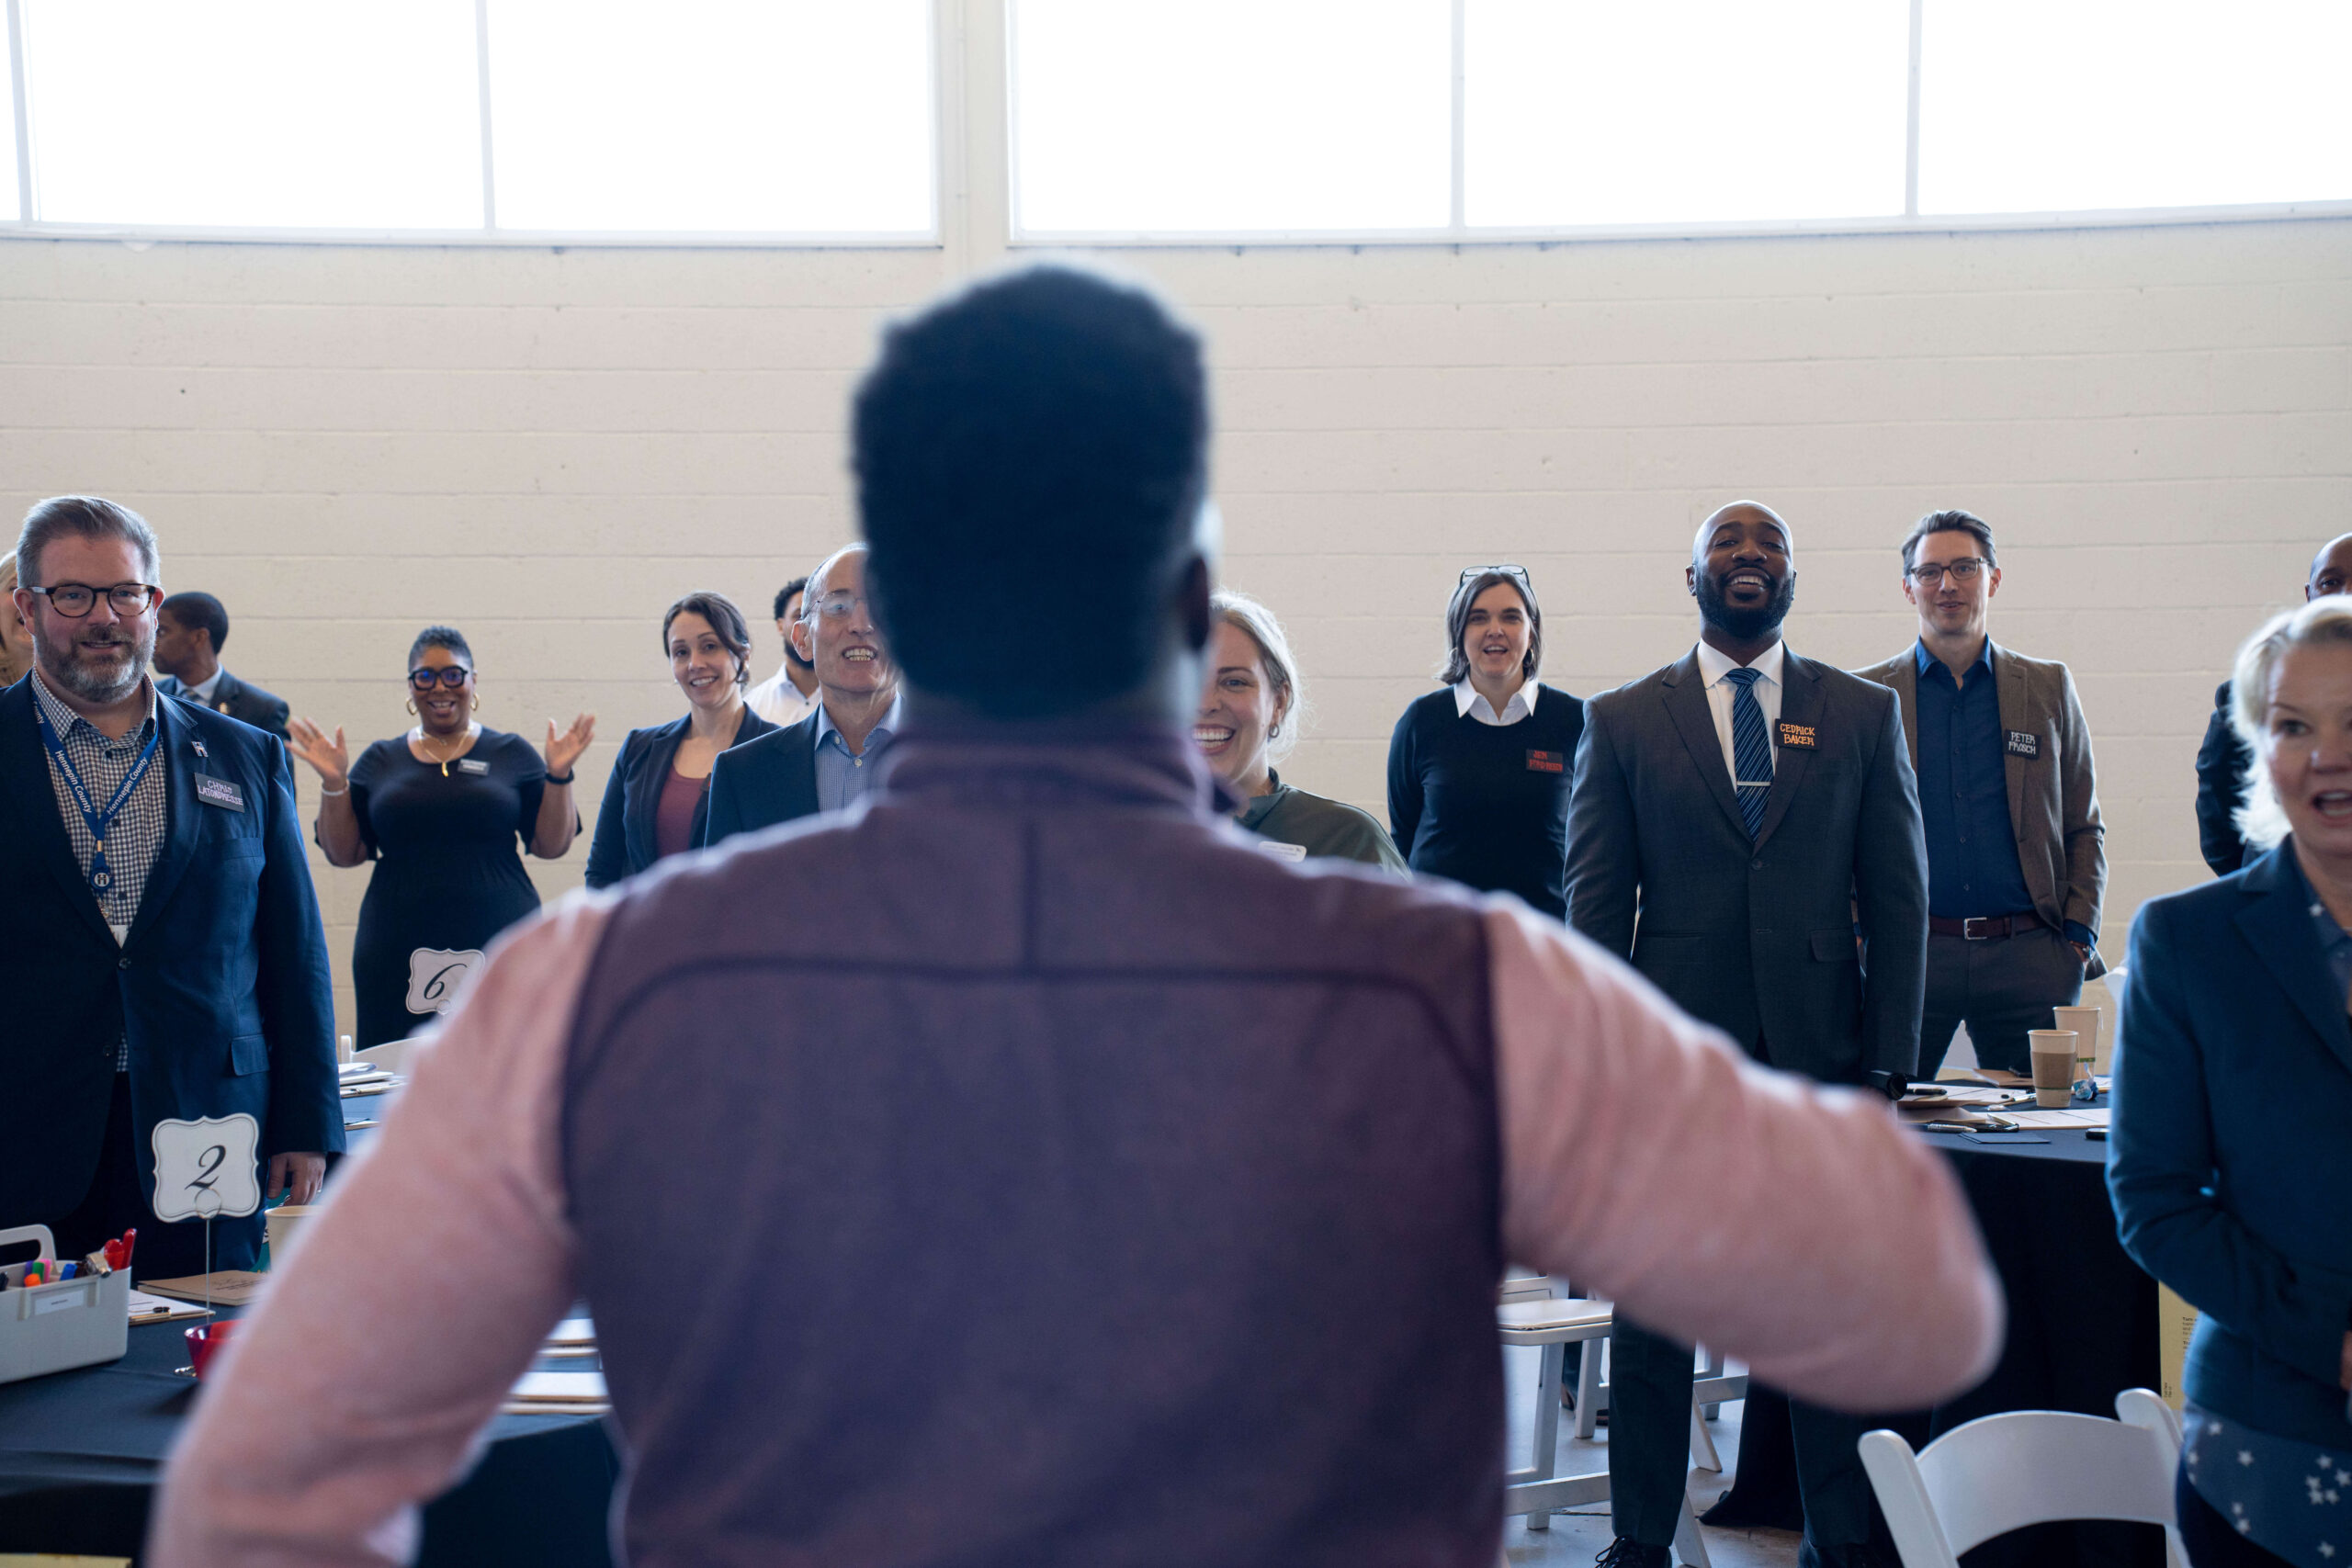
(74, 1322)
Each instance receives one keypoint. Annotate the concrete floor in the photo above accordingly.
(1580, 1536)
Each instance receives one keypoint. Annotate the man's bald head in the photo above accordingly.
(2331, 569)
(1740, 511)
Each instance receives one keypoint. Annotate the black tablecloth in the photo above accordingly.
(2082, 1329)
(81, 1452)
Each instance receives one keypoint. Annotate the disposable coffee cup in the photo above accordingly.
(2053, 1068)
(2084, 1023)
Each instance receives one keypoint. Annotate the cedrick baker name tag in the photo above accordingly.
(218, 792)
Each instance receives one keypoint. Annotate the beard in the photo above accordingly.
(792, 658)
(93, 679)
(1745, 625)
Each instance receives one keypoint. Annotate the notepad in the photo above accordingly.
(145, 1308)
(558, 1388)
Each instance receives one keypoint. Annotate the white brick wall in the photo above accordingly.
(545, 447)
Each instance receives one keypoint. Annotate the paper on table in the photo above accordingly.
(145, 1308)
(574, 1331)
(550, 1407)
(2094, 1116)
(557, 1388)
(230, 1287)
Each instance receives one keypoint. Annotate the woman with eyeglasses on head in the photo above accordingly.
(659, 794)
(1479, 772)
(442, 811)
(1249, 719)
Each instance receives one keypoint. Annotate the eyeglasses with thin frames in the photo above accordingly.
(75, 600)
(1929, 574)
(1516, 573)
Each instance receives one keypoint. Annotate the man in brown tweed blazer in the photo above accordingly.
(2017, 859)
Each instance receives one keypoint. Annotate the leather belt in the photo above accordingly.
(1984, 927)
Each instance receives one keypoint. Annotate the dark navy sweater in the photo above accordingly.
(1487, 804)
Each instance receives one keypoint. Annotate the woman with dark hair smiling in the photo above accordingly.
(1478, 773)
(659, 790)
(441, 810)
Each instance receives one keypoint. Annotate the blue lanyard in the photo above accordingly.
(98, 821)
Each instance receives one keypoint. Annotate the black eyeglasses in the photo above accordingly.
(75, 600)
(1965, 569)
(450, 675)
(1516, 573)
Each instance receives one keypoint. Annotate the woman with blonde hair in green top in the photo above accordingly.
(1249, 719)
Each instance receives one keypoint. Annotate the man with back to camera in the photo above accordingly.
(159, 938)
(2222, 758)
(190, 631)
(790, 695)
(1756, 810)
(2008, 795)
(830, 759)
(1191, 1171)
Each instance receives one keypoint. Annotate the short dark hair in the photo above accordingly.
(1457, 621)
(199, 612)
(1043, 435)
(784, 596)
(724, 618)
(449, 638)
(88, 518)
(1953, 521)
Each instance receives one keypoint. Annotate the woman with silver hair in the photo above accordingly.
(1250, 718)
(2232, 1166)
(16, 635)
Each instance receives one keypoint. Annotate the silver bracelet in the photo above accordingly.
(325, 791)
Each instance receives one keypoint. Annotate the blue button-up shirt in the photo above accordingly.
(1964, 793)
(841, 778)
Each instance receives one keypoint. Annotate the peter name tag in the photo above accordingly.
(2023, 744)
(219, 792)
(473, 765)
(1800, 736)
(1548, 761)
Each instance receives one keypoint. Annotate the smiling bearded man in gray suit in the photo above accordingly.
(1758, 811)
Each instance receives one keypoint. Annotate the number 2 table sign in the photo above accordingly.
(204, 1170)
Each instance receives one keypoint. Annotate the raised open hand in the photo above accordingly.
(329, 759)
(565, 749)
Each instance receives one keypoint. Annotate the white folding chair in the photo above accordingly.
(1538, 1490)
(2027, 1467)
(1713, 1386)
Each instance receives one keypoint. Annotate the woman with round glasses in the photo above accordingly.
(659, 794)
(442, 811)
(1479, 772)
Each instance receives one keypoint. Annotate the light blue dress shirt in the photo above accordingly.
(841, 778)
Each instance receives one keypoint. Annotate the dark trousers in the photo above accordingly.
(1650, 1448)
(2000, 988)
(2209, 1539)
(117, 1202)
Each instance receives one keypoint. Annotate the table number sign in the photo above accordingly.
(205, 1169)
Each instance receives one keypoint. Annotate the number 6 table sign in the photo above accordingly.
(204, 1170)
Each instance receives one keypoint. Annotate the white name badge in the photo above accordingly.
(205, 1168)
(433, 977)
(1281, 851)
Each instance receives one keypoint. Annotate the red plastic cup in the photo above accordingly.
(205, 1338)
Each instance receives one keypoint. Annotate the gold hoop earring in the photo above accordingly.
(477, 707)
(410, 705)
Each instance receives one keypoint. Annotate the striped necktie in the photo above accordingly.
(1751, 751)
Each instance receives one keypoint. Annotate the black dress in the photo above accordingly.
(449, 870)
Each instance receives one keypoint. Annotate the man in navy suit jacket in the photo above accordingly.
(169, 966)
(829, 760)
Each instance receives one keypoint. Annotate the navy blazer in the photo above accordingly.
(246, 704)
(771, 781)
(624, 841)
(2231, 1163)
(223, 988)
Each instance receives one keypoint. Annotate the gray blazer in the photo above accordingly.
(2054, 796)
(1759, 938)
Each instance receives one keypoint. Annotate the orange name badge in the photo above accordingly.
(1548, 761)
(1799, 734)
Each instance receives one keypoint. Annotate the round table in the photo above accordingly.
(80, 1453)
(2081, 1328)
